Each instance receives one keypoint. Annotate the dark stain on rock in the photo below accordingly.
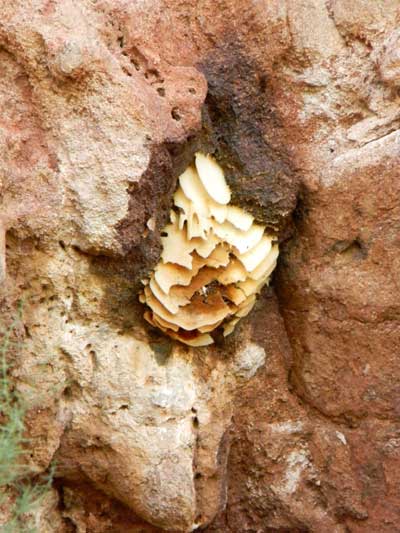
(162, 350)
(148, 200)
(239, 122)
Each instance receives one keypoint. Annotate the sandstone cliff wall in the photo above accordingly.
(292, 423)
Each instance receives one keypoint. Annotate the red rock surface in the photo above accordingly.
(102, 104)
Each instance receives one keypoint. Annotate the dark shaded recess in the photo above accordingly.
(239, 118)
(101, 513)
(352, 250)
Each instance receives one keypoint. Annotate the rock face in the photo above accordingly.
(291, 423)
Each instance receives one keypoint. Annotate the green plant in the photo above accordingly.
(20, 490)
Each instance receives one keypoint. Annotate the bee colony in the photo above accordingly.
(214, 262)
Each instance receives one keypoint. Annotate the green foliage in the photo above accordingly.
(19, 495)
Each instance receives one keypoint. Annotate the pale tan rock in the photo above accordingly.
(389, 59)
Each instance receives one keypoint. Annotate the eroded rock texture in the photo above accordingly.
(292, 423)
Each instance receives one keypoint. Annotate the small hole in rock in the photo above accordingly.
(62, 244)
(194, 410)
(197, 475)
(195, 422)
(161, 91)
(135, 64)
(151, 72)
(191, 90)
(94, 360)
(351, 249)
(120, 41)
(263, 83)
(175, 114)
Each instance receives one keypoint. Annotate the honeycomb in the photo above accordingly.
(215, 260)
